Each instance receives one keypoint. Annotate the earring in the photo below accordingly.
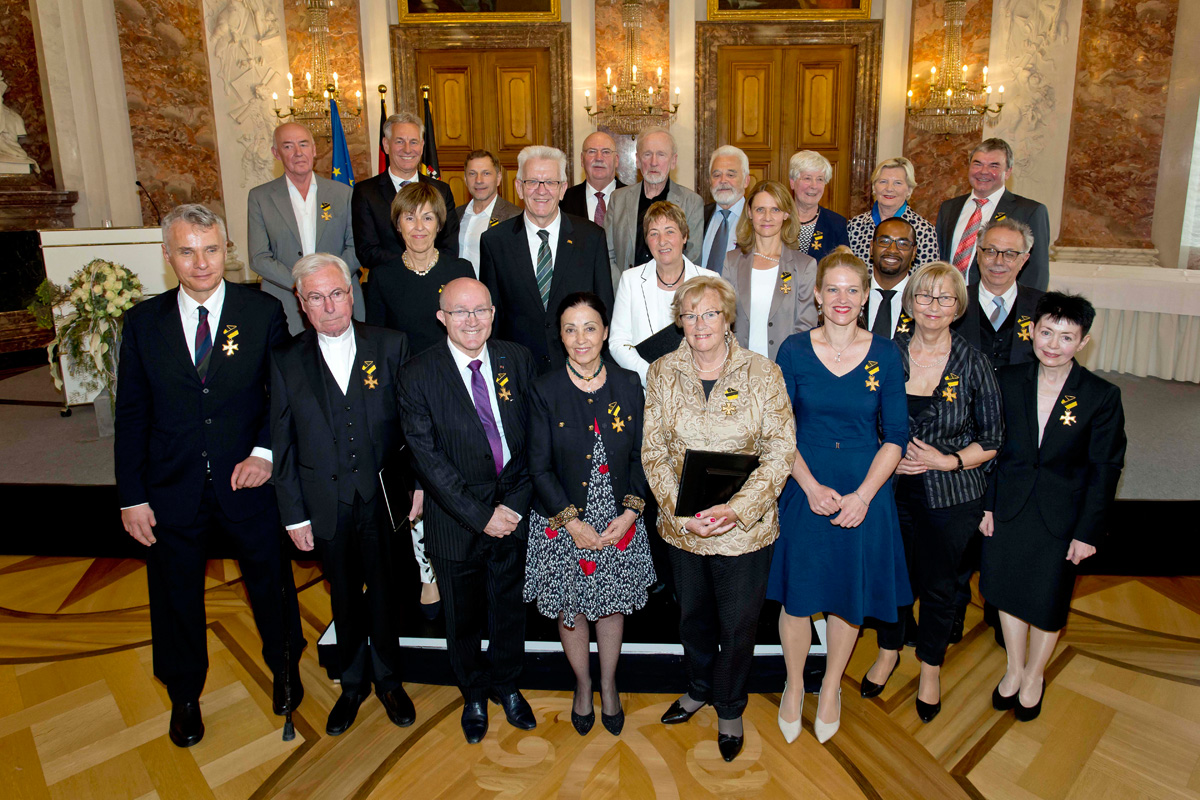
(728, 335)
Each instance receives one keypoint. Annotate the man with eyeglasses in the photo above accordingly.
(531, 262)
(334, 426)
(465, 411)
(591, 198)
(893, 249)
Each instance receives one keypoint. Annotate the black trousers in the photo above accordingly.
(485, 592)
(360, 555)
(720, 598)
(175, 575)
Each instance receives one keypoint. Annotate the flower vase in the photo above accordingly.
(104, 414)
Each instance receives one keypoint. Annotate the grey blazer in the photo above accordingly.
(274, 240)
(501, 211)
(621, 221)
(792, 311)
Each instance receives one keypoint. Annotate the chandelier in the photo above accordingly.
(627, 106)
(951, 103)
(311, 108)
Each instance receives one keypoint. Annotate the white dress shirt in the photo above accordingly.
(590, 195)
(964, 216)
(987, 300)
(735, 214)
(397, 180)
(762, 287)
(305, 209)
(535, 241)
(877, 300)
(472, 227)
(463, 362)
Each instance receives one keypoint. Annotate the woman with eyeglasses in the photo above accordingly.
(892, 184)
(955, 428)
(714, 395)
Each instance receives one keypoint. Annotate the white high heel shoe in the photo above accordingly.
(790, 730)
(826, 730)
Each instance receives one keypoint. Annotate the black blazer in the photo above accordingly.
(561, 438)
(306, 456)
(574, 201)
(967, 325)
(169, 425)
(506, 267)
(376, 241)
(1036, 272)
(1073, 474)
(450, 451)
(903, 326)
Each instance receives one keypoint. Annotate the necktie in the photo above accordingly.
(998, 314)
(883, 317)
(966, 246)
(203, 345)
(545, 267)
(601, 209)
(720, 244)
(483, 407)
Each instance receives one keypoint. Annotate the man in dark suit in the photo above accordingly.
(335, 424)
(193, 450)
(600, 160)
(728, 180)
(893, 248)
(376, 241)
(959, 222)
(531, 262)
(482, 174)
(464, 410)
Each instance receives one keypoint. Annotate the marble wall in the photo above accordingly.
(1121, 80)
(18, 62)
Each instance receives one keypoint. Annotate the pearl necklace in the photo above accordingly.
(717, 368)
(767, 257)
(940, 359)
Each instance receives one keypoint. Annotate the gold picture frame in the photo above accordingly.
(759, 10)
(413, 13)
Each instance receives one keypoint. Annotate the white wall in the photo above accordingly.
(897, 27)
(375, 17)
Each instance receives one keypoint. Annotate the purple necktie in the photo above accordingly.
(203, 344)
(483, 407)
(601, 209)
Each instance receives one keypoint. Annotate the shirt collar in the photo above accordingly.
(552, 228)
(462, 360)
(612, 187)
(735, 210)
(487, 212)
(899, 287)
(397, 180)
(340, 339)
(293, 189)
(992, 199)
(986, 298)
(215, 302)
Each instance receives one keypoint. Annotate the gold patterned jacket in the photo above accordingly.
(748, 411)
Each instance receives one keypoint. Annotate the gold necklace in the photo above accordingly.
(408, 262)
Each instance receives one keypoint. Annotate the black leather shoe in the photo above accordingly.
(583, 722)
(343, 713)
(1027, 714)
(613, 723)
(516, 710)
(1002, 703)
(677, 714)
(956, 627)
(927, 711)
(398, 706)
(872, 689)
(729, 745)
(475, 721)
(187, 728)
(430, 611)
(279, 700)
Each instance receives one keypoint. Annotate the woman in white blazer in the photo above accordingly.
(643, 304)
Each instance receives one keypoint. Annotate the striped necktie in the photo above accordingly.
(545, 267)
(966, 246)
(203, 344)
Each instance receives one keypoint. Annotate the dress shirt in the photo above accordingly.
(762, 289)
(877, 299)
(964, 216)
(463, 362)
(535, 241)
(735, 214)
(590, 195)
(397, 180)
(473, 226)
(305, 209)
(987, 300)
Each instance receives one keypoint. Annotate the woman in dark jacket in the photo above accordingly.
(588, 557)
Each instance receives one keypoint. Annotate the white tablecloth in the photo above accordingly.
(1147, 318)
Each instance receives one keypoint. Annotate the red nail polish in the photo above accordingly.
(712, 519)
(697, 515)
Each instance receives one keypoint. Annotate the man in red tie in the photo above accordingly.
(961, 220)
(590, 199)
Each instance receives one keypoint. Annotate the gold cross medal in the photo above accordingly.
(948, 394)
(615, 410)
(816, 242)
(230, 347)
(1024, 322)
(786, 278)
(728, 407)
(325, 214)
(1068, 418)
(903, 327)
(502, 381)
(872, 382)
(370, 381)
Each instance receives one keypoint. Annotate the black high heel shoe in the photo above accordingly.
(927, 711)
(1002, 703)
(730, 745)
(583, 722)
(677, 713)
(1025, 714)
(613, 723)
(872, 689)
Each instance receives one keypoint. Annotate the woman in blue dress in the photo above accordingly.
(839, 549)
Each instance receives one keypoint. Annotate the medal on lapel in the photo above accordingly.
(502, 381)
(905, 323)
(493, 222)
(1024, 322)
(1000, 216)
(325, 212)
(816, 242)
(230, 333)
(872, 382)
(1068, 418)
(615, 410)
(948, 394)
(728, 406)
(786, 278)
(368, 368)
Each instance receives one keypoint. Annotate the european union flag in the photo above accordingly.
(342, 171)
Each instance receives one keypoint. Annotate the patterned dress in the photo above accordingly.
(568, 580)
(861, 231)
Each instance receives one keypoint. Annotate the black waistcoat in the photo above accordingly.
(996, 344)
(356, 457)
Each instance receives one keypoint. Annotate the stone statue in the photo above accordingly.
(13, 159)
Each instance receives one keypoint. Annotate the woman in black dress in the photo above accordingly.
(1048, 497)
(588, 558)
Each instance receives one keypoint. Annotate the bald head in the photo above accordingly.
(466, 311)
(600, 159)
(296, 150)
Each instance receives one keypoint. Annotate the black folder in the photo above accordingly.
(396, 483)
(657, 345)
(710, 479)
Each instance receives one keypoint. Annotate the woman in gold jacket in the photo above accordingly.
(711, 394)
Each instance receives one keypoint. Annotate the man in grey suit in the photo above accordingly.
(294, 215)
(656, 156)
(482, 174)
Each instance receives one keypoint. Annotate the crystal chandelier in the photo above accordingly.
(627, 106)
(311, 108)
(951, 103)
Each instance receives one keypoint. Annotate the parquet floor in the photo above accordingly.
(82, 717)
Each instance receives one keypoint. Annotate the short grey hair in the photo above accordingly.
(541, 151)
(1014, 225)
(730, 150)
(193, 214)
(809, 161)
(641, 137)
(313, 263)
(993, 145)
(403, 118)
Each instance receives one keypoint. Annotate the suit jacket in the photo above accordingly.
(575, 200)
(1036, 272)
(967, 325)
(305, 444)
(450, 450)
(501, 211)
(903, 326)
(375, 238)
(170, 425)
(621, 225)
(831, 231)
(506, 267)
(791, 312)
(1072, 475)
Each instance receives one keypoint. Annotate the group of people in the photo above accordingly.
(914, 383)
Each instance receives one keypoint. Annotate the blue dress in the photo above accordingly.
(817, 566)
